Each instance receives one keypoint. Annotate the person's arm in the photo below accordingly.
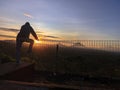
(34, 34)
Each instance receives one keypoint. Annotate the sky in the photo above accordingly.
(62, 19)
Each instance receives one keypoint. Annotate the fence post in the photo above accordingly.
(57, 49)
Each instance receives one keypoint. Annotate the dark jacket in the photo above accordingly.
(25, 32)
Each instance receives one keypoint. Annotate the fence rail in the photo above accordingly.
(106, 45)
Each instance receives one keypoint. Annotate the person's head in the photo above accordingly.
(27, 23)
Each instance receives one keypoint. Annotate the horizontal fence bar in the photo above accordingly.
(105, 45)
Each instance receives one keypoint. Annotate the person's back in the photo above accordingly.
(24, 32)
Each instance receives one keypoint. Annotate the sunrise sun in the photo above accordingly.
(37, 41)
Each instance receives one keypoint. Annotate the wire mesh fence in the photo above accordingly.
(62, 48)
(105, 45)
(70, 58)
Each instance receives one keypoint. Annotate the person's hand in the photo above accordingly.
(38, 40)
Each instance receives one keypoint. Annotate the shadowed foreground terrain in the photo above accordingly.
(70, 59)
(72, 66)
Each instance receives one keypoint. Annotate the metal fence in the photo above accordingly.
(105, 45)
(59, 46)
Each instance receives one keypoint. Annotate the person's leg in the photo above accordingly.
(31, 45)
(18, 51)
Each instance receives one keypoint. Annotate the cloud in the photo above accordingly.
(47, 36)
(28, 15)
(9, 29)
(50, 36)
(16, 31)
(7, 36)
(4, 19)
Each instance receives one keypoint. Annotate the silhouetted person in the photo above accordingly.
(23, 36)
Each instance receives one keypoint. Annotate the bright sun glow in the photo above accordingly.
(37, 41)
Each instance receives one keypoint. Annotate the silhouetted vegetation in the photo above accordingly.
(5, 58)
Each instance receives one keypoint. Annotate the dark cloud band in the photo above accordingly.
(50, 36)
(9, 29)
(7, 36)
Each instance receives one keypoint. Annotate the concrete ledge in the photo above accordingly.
(23, 71)
(15, 85)
(37, 86)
